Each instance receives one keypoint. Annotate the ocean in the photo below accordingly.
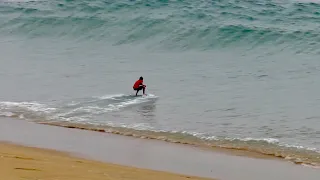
(240, 75)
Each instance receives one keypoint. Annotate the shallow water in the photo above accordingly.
(230, 74)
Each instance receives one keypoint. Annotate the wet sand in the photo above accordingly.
(151, 154)
(19, 162)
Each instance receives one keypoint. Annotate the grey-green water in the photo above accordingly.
(235, 74)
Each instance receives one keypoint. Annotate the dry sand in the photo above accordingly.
(20, 162)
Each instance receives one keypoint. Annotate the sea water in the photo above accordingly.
(229, 74)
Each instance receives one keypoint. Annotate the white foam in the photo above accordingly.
(269, 140)
(150, 96)
(21, 116)
(138, 126)
(89, 110)
(130, 102)
(7, 114)
(113, 96)
(31, 106)
(73, 103)
(196, 134)
(301, 147)
(210, 138)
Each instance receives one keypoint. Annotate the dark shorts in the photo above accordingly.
(138, 89)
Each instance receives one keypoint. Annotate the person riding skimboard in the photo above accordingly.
(138, 85)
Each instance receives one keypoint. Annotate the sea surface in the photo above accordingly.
(219, 73)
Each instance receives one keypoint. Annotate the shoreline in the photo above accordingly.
(225, 150)
(19, 161)
(155, 155)
(235, 151)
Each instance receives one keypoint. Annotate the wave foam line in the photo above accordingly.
(82, 110)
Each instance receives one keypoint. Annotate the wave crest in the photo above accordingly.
(174, 25)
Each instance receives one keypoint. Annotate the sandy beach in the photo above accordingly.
(21, 162)
(128, 153)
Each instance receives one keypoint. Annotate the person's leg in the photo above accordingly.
(144, 88)
(138, 89)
